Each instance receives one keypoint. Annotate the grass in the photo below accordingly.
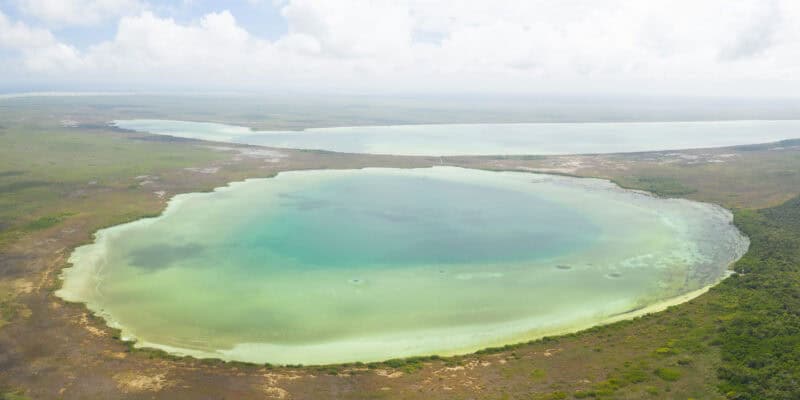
(13, 396)
(668, 374)
(46, 221)
(751, 179)
(43, 169)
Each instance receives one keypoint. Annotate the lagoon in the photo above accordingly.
(330, 266)
(489, 139)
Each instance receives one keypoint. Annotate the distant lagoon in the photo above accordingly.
(489, 139)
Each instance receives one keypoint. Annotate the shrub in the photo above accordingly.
(668, 374)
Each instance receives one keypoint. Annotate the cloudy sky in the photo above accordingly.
(670, 47)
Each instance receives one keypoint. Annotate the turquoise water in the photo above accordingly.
(490, 139)
(362, 265)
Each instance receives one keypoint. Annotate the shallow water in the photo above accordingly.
(360, 265)
(490, 139)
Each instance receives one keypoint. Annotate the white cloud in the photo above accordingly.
(660, 46)
(214, 48)
(356, 29)
(40, 51)
(757, 34)
(78, 12)
(17, 35)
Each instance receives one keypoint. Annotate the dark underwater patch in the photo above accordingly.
(162, 255)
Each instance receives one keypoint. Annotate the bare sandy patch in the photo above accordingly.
(274, 392)
(22, 286)
(205, 170)
(387, 374)
(551, 352)
(134, 382)
(84, 321)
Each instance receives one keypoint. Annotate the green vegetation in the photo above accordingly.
(47, 221)
(668, 374)
(760, 323)
(663, 186)
(13, 396)
(407, 365)
(42, 167)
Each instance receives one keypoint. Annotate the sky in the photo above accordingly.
(742, 48)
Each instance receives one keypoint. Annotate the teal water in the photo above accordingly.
(361, 265)
(490, 139)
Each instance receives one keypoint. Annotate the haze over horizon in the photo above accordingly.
(748, 48)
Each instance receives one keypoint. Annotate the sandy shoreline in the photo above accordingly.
(245, 352)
